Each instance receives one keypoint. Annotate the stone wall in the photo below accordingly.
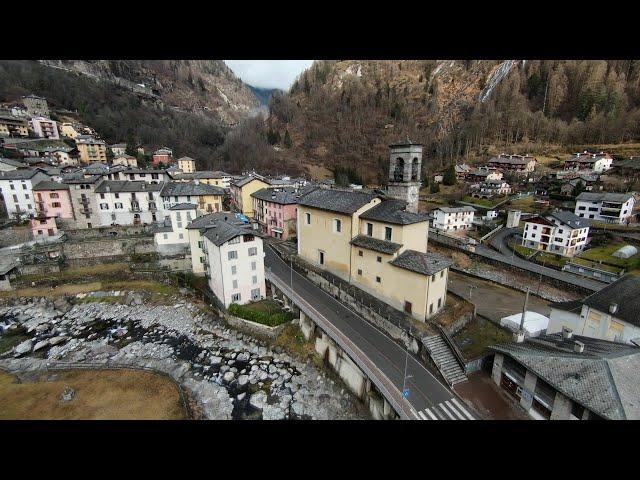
(14, 236)
(108, 247)
(40, 268)
(114, 232)
(252, 328)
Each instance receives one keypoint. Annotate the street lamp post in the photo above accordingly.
(405, 392)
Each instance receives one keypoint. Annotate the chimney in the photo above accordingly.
(567, 333)
(613, 308)
(578, 347)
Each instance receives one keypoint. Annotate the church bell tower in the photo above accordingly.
(405, 167)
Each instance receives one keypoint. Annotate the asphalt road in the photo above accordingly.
(505, 254)
(425, 390)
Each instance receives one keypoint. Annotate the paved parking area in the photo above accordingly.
(488, 399)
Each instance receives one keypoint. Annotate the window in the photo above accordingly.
(180, 236)
(359, 271)
(253, 266)
(337, 225)
(253, 251)
(433, 277)
(118, 206)
(166, 236)
(407, 306)
(359, 253)
(254, 279)
(307, 219)
(55, 204)
(232, 255)
(235, 297)
(321, 257)
(104, 206)
(431, 308)
(387, 233)
(255, 294)
(235, 284)
(248, 238)
(378, 279)
(442, 274)
(379, 259)
(200, 244)
(370, 229)
(234, 270)
(439, 302)
(235, 240)
(102, 196)
(117, 195)
(201, 259)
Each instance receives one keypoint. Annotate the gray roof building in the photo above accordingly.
(376, 244)
(13, 163)
(223, 231)
(204, 221)
(185, 188)
(625, 293)
(571, 219)
(424, 263)
(334, 200)
(393, 211)
(118, 186)
(23, 174)
(603, 197)
(50, 185)
(184, 206)
(284, 196)
(201, 175)
(604, 378)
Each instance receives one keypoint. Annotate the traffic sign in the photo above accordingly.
(405, 393)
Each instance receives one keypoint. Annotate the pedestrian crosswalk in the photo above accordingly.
(447, 410)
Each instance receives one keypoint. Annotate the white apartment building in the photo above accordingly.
(453, 219)
(197, 228)
(44, 128)
(216, 178)
(128, 202)
(596, 162)
(16, 187)
(561, 233)
(609, 314)
(234, 262)
(492, 188)
(605, 207)
(172, 237)
(149, 176)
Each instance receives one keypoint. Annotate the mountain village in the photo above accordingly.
(505, 289)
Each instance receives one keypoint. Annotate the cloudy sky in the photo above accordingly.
(268, 73)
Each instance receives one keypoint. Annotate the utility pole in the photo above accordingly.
(524, 311)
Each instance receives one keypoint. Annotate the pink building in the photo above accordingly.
(53, 202)
(275, 209)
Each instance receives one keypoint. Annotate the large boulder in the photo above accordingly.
(258, 400)
(24, 347)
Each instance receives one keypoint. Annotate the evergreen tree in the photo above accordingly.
(449, 177)
(287, 139)
(434, 188)
(578, 189)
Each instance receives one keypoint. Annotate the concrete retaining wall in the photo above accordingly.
(253, 328)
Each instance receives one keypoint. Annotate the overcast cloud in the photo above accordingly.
(268, 73)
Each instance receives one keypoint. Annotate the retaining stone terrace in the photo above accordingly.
(228, 374)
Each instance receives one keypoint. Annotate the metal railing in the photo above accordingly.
(382, 382)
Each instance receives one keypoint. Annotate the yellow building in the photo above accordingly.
(91, 150)
(241, 191)
(187, 164)
(375, 244)
(68, 130)
(207, 197)
(126, 160)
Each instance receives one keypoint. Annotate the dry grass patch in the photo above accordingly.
(99, 395)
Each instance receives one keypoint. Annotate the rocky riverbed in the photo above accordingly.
(227, 374)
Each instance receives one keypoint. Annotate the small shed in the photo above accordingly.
(8, 271)
(534, 323)
(627, 251)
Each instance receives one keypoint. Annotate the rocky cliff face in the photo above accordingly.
(206, 87)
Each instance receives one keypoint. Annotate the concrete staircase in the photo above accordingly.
(445, 360)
